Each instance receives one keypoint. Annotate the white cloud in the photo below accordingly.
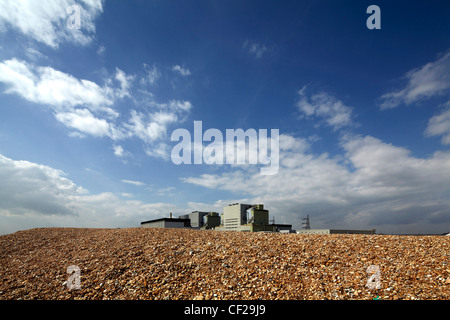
(440, 125)
(118, 151)
(28, 187)
(150, 127)
(63, 93)
(17, 75)
(125, 83)
(289, 143)
(164, 117)
(48, 86)
(46, 20)
(83, 120)
(217, 206)
(101, 50)
(177, 105)
(87, 107)
(160, 150)
(183, 71)
(375, 185)
(152, 75)
(325, 107)
(430, 80)
(169, 191)
(77, 134)
(134, 182)
(255, 49)
(33, 54)
(34, 195)
(108, 210)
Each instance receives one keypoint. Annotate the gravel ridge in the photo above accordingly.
(144, 263)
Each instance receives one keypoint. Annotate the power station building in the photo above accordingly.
(235, 217)
(247, 217)
(240, 217)
(202, 220)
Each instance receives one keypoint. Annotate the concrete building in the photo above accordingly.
(335, 231)
(248, 217)
(211, 220)
(167, 223)
(202, 220)
(235, 217)
(196, 218)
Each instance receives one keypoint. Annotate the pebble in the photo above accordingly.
(138, 263)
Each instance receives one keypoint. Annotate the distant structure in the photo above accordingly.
(167, 223)
(336, 231)
(307, 229)
(203, 220)
(240, 217)
(306, 224)
(235, 217)
(248, 217)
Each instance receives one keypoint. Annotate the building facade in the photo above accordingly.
(235, 217)
(167, 223)
(248, 217)
(202, 220)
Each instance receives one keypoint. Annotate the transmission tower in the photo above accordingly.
(305, 224)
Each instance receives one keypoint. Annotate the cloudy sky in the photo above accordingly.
(91, 91)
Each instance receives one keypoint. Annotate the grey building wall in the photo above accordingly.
(166, 223)
(197, 218)
(235, 215)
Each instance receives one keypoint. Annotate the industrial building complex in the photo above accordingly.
(239, 217)
(235, 217)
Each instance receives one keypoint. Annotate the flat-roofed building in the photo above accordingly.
(167, 223)
(202, 219)
(248, 217)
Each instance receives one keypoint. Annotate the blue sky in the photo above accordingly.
(86, 114)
